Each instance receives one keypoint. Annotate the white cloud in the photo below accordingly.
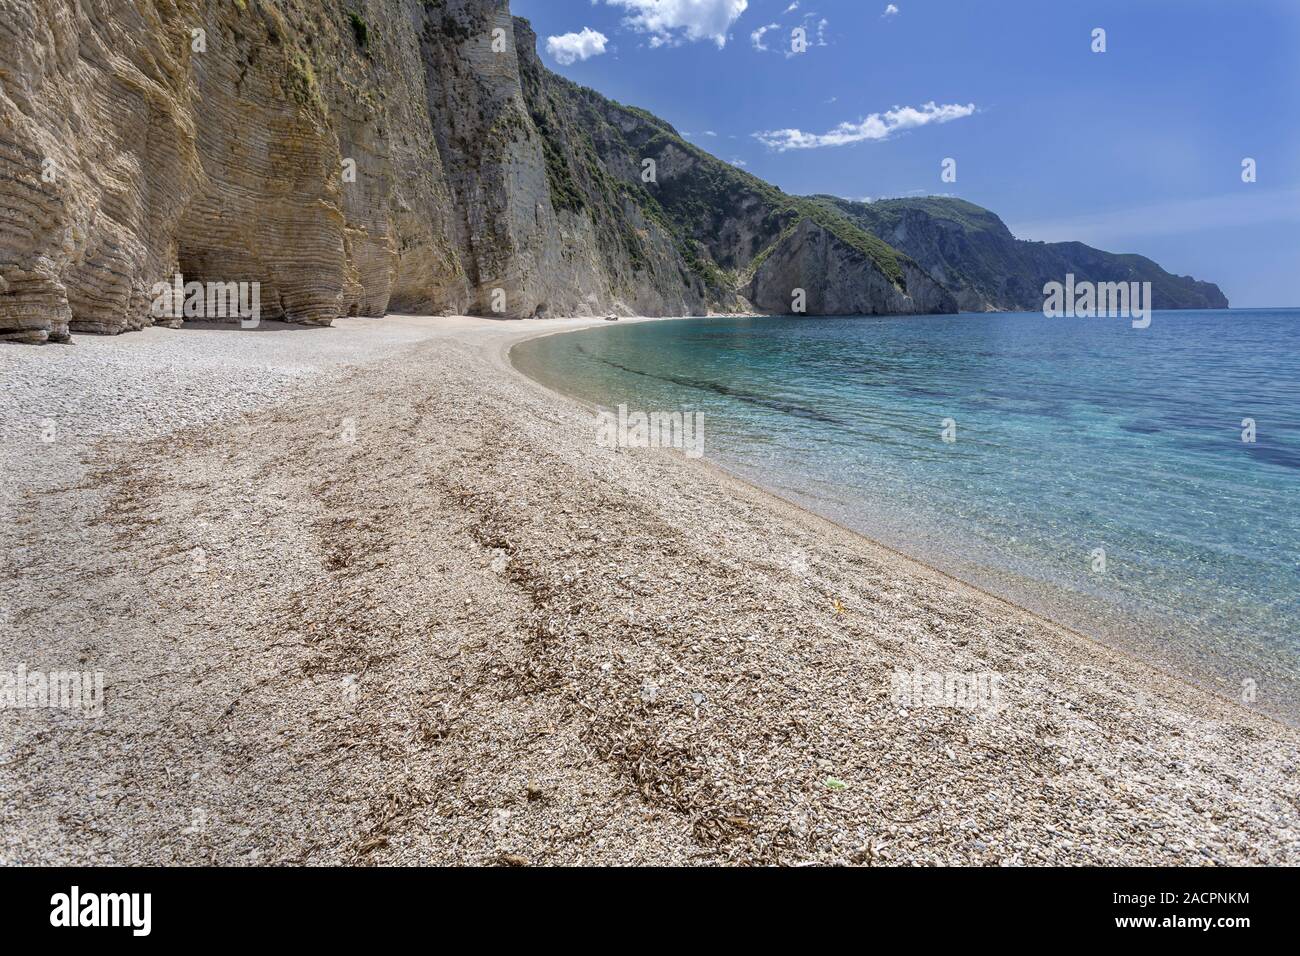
(756, 37)
(875, 127)
(571, 47)
(793, 7)
(671, 21)
(890, 11)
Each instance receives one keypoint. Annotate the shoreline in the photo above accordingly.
(760, 493)
(401, 609)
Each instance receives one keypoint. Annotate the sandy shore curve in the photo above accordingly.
(369, 595)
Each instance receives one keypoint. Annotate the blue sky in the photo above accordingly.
(1137, 149)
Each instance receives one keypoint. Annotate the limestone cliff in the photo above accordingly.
(355, 157)
(140, 139)
(352, 158)
(741, 242)
(836, 279)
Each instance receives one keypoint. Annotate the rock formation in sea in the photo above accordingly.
(382, 155)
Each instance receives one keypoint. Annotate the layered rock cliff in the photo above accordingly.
(355, 157)
(972, 253)
(141, 139)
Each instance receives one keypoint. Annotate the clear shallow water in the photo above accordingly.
(1072, 435)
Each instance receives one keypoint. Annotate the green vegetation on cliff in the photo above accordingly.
(660, 204)
(973, 253)
(723, 220)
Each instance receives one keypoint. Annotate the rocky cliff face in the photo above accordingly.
(972, 253)
(141, 139)
(361, 156)
(351, 158)
(740, 243)
(836, 279)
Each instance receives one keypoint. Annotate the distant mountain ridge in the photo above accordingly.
(972, 253)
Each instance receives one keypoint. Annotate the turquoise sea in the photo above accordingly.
(1072, 435)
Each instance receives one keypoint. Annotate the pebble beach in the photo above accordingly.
(368, 595)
